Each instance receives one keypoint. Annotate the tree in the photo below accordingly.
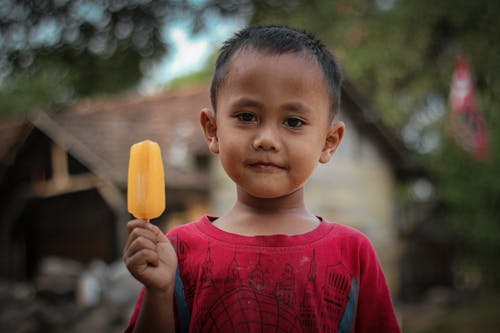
(53, 51)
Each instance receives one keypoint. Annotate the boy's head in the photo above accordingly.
(277, 40)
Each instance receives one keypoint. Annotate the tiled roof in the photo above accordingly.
(99, 132)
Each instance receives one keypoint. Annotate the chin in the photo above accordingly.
(269, 194)
(267, 188)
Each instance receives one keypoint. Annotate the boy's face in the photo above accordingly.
(272, 124)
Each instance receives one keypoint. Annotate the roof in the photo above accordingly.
(13, 131)
(100, 132)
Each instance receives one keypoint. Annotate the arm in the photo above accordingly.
(151, 259)
(157, 313)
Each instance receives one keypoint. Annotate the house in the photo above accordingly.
(63, 177)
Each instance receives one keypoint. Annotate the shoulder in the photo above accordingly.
(352, 238)
(189, 229)
(346, 232)
(358, 250)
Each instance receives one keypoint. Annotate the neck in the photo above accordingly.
(257, 216)
(290, 203)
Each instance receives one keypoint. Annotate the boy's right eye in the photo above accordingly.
(246, 117)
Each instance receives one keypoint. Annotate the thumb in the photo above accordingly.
(165, 249)
(167, 254)
(163, 244)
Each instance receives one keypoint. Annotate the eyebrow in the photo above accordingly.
(296, 107)
(290, 106)
(246, 102)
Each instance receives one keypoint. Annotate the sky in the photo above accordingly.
(189, 53)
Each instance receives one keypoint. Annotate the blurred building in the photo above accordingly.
(63, 177)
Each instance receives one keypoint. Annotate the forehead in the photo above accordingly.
(250, 57)
(288, 75)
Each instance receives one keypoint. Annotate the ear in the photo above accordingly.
(209, 126)
(332, 141)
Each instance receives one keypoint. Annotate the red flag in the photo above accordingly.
(467, 123)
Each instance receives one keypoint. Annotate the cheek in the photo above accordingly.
(230, 157)
(230, 146)
(232, 169)
(304, 167)
(307, 149)
(305, 158)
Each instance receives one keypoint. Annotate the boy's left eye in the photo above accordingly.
(293, 122)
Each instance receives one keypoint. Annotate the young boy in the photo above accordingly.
(268, 264)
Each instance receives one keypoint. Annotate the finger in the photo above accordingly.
(166, 253)
(140, 260)
(159, 235)
(139, 244)
(144, 233)
(132, 224)
(138, 229)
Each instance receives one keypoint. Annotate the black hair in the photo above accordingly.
(277, 39)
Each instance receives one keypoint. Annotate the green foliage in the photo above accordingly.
(34, 89)
(471, 189)
(85, 47)
(398, 53)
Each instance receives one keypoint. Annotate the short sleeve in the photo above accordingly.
(375, 311)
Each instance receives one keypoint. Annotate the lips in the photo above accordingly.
(265, 166)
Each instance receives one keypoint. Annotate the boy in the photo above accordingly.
(268, 264)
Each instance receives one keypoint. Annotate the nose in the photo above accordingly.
(267, 138)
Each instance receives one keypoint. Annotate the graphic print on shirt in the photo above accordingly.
(245, 298)
(307, 310)
(233, 279)
(207, 276)
(335, 294)
(285, 288)
(182, 253)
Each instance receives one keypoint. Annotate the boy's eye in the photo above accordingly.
(246, 117)
(294, 122)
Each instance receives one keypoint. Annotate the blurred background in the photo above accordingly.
(82, 80)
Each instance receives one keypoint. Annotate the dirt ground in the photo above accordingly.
(472, 313)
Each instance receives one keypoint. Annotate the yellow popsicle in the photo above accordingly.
(146, 181)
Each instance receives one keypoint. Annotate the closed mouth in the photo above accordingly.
(265, 166)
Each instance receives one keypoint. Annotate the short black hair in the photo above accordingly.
(278, 39)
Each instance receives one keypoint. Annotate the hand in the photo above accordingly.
(149, 256)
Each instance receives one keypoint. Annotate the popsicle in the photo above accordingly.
(146, 181)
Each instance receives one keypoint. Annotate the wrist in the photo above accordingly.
(162, 292)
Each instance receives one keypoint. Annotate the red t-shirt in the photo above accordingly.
(326, 280)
